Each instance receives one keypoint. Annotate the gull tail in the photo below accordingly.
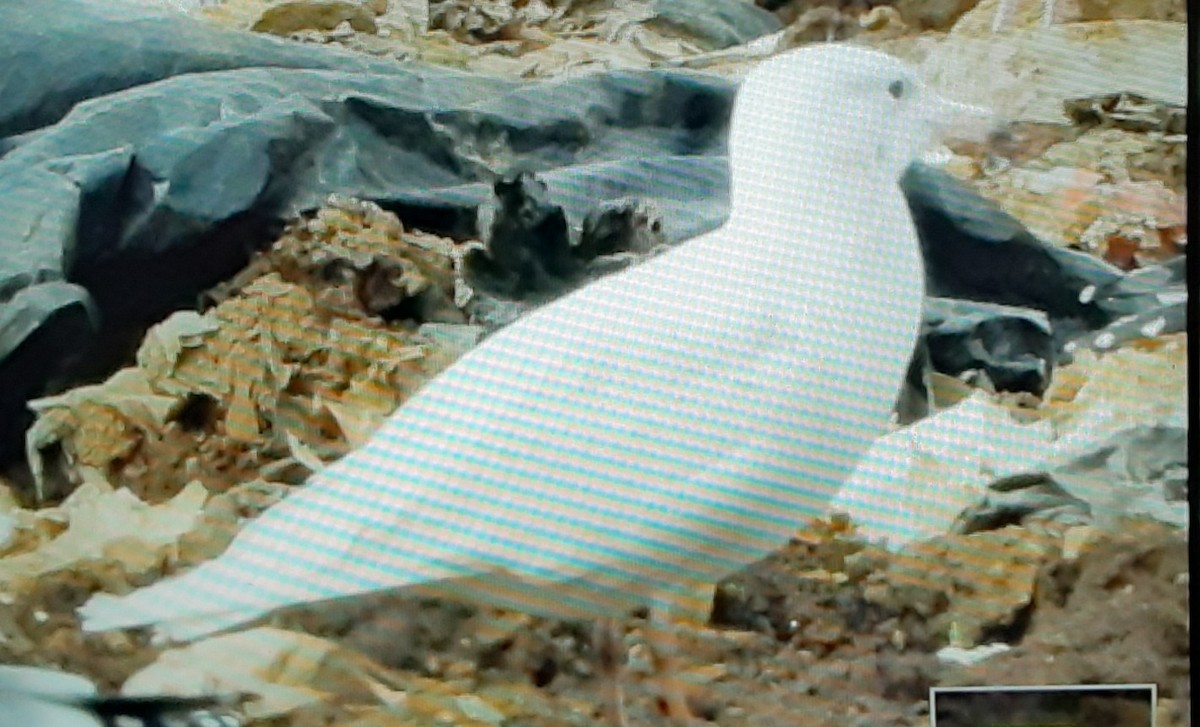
(105, 612)
(312, 547)
(185, 607)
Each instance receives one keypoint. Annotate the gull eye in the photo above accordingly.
(896, 89)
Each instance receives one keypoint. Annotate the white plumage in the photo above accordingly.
(641, 437)
(33, 696)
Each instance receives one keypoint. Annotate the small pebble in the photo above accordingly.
(1154, 327)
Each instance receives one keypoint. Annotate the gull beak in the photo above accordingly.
(963, 122)
(951, 121)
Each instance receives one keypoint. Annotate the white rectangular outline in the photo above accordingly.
(1153, 687)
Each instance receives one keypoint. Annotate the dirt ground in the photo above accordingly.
(825, 632)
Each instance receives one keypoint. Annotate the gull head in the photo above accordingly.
(832, 110)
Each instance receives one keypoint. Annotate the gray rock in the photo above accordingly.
(718, 23)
